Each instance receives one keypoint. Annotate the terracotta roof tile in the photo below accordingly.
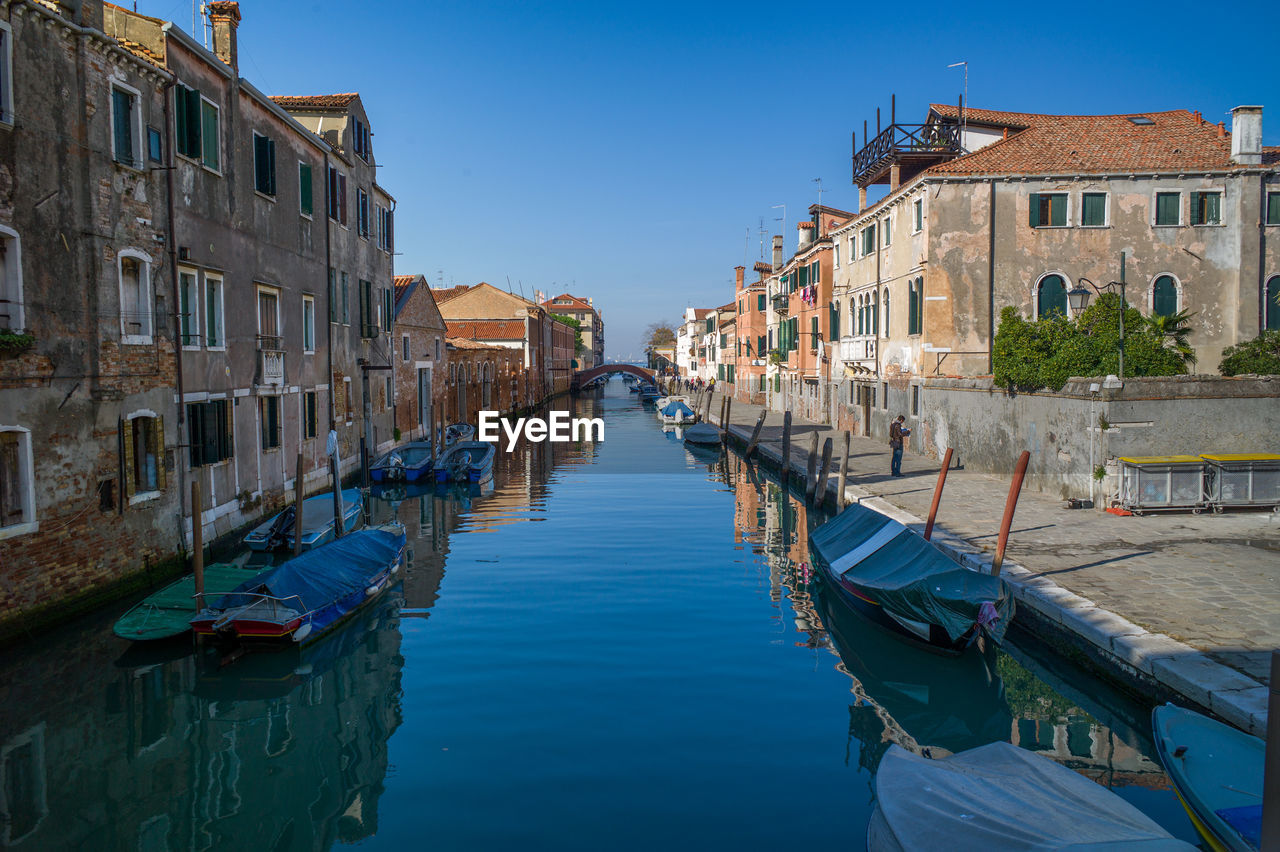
(318, 102)
(445, 295)
(999, 118)
(486, 329)
(402, 284)
(575, 303)
(468, 343)
(1174, 141)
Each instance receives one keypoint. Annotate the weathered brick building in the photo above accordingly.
(591, 326)
(420, 357)
(88, 492)
(482, 377)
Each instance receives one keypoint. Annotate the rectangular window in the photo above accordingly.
(360, 139)
(1206, 208)
(187, 106)
(760, 299)
(1093, 209)
(124, 123)
(209, 432)
(388, 310)
(147, 450)
(269, 412)
(346, 299)
(835, 256)
(362, 212)
(342, 200)
(155, 146)
(404, 347)
(868, 240)
(6, 74)
(135, 299)
(1048, 209)
(269, 318)
(884, 225)
(813, 334)
(1273, 208)
(305, 205)
(189, 303)
(333, 295)
(308, 324)
(309, 429)
(15, 483)
(368, 326)
(390, 402)
(209, 136)
(1168, 208)
(264, 164)
(915, 400)
(213, 312)
(884, 395)
(919, 216)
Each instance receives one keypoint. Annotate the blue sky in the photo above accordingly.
(624, 151)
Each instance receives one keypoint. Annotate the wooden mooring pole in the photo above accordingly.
(297, 507)
(755, 434)
(786, 447)
(728, 416)
(844, 472)
(1009, 505)
(811, 471)
(197, 542)
(937, 494)
(820, 493)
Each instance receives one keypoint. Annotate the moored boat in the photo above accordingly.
(317, 522)
(676, 411)
(999, 796)
(1216, 771)
(906, 584)
(466, 461)
(407, 463)
(702, 433)
(456, 432)
(167, 612)
(308, 595)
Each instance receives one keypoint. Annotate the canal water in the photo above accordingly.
(614, 646)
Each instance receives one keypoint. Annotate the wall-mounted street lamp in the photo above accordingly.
(1078, 299)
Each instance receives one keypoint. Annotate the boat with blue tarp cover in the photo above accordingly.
(676, 411)
(317, 522)
(408, 463)
(906, 584)
(1217, 773)
(304, 597)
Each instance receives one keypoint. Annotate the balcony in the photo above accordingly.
(857, 349)
(270, 362)
(912, 147)
(781, 302)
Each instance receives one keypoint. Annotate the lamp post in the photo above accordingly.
(1078, 299)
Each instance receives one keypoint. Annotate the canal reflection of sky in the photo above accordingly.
(614, 645)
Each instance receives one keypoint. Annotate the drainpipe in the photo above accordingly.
(171, 164)
(991, 278)
(1262, 252)
(332, 294)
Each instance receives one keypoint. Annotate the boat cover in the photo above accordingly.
(325, 574)
(907, 575)
(702, 433)
(673, 408)
(999, 796)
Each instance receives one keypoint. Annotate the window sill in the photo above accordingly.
(1176, 225)
(135, 340)
(129, 167)
(19, 529)
(210, 169)
(306, 216)
(271, 449)
(264, 196)
(144, 497)
(1208, 225)
(1094, 227)
(1050, 227)
(215, 349)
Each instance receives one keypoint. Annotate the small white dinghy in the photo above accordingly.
(999, 796)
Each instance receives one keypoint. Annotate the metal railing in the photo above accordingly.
(897, 139)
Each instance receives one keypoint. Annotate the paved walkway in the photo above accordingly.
(1209, 581)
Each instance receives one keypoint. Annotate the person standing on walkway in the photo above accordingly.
(897, 435)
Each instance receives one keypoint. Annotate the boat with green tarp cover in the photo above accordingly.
(167, 612)
(907, 584)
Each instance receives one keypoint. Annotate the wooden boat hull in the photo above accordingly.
(928, 636)
(167, 612)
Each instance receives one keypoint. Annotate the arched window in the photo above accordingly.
(1164, 297)
(1273, 304)
(886, 311)
(862, 310)
(875, 314)
(1051, 297)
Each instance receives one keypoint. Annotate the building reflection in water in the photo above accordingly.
(919, 700)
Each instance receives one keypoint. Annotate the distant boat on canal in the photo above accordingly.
(317, 522)
(999, 796)
(1217, 772)
(303, 598)
(906, 584)
(167, 612)
(407, 463)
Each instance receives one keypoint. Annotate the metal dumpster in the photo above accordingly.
(1150, 483)
(1242, 479)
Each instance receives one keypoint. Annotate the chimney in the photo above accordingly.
(1246, 135)
(224, 15)
(738, 273)
(777, 252)
(1222, 130)
(86, 13)
(805, 230)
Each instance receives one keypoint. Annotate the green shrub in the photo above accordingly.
(1260, 355)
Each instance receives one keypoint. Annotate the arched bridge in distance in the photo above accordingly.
(580, 379)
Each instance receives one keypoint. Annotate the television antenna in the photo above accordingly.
(963, 122)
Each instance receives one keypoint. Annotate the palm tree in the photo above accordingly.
(1173, 331)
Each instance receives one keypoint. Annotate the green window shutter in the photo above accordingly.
(387, 309)
(366, 308)
(802, 277)
(1051, 298)
(1273, 208)
(1058, 210)
(1034, 210)
(1093, 211)
(207, 139)
(795, 333)
(260, 163)
(1167, 208)
(761, 346)
(122, 114)
(346, 299)
(333, 296)
(1273, 304)
(304, 188)
(182, 120)
(1164, 297)
(816, 275)
(271, 166)
(760, 298)
(813, 332)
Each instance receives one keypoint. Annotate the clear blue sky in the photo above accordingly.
(623, 152)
